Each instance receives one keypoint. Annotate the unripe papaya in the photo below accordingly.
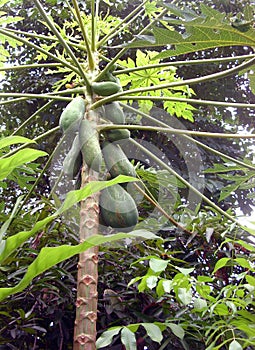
(117, 207)
(114, 113)
(117, 134)
(116, 161)
(105, 88)
(72, 115)
(73, 160)
(90, 146)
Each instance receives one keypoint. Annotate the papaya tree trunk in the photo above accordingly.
(86, 303)
(87, 277)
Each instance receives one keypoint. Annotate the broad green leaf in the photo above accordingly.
(12, 140)
(250, 280)
(244, 326)
(13, 242)
(243, 244)
(205, 31)
(159, 289)
(200, 304)
(158, 265)
(74, 197)
(7, 165)
(220, 309)
(2, 2)
(106, 338)
(176, 329)
(133, 327)
(151, 281)
(234, 345)
(221, 263)
(167, 285)
(5, 226)
(243, 262)
(248, 229)
(153, 331)
(185, 295)
(50, 256)
(128, 339)
(185, 271)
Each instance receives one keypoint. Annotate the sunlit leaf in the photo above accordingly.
(106, 338)
(176, 329)
(50, 256)
(128, 339)
(21, 157)
(221, 263)
(205, 31)
(12, 140)
(153, 331)
(200, 304)
(234, 345)
(158, 265)
(185, 295)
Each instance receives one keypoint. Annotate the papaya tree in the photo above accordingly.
(110, 172)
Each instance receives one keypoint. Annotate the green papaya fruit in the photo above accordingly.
(105, 88)
(117, 134)
(114, 113)
(89, 143)
(72, 115)
(73, 160)
(117, 207)
(116, 161)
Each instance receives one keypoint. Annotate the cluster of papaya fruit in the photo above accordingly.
(117, 207)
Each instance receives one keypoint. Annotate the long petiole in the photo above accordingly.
(202, 145)
(123, 24)
(38, 48)
(123, 51)
(175, 131)
(78, 17)
(185, 182)
(184, 63)
(43, 108)
(61, 40)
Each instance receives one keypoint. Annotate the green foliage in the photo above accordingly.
(194, 288)
(156, 76)
(237, 177)
(218, 29)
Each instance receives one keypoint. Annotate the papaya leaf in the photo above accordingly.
(207, 30)
(7, 165)
(50, 256)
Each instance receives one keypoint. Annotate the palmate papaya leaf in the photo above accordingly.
(143, 78)
(209, 29)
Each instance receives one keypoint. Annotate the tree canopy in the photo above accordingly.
(183, 276)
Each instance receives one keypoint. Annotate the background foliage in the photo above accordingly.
(196, 286)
